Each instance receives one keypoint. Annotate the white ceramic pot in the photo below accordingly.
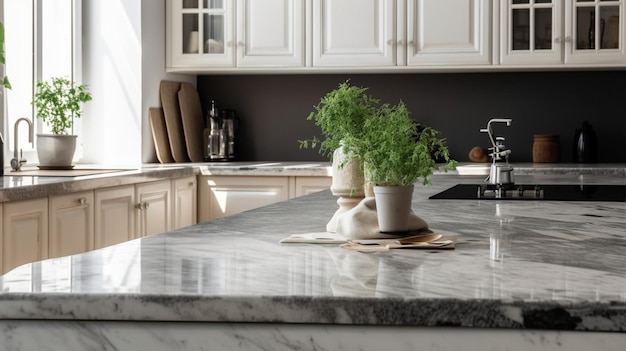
(347, 183)
(55, 151)
(393, 206)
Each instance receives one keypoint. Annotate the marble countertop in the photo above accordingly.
(517, 264)
(14, 186)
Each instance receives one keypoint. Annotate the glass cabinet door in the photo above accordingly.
(531, 25)
(597, 24)
(201, 32)
(207, 15)
(531, 31)
(596, 31)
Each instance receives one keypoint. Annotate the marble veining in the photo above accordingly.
(517, 265)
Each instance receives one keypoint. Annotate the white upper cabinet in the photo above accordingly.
(200, 32)
(451, 32)
(556, 32)
(354, 33)
(270, 33)
(276, 36)
(227, 33)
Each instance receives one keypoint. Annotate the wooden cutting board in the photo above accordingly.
(193, 124)
(159, 135)
(171, 110)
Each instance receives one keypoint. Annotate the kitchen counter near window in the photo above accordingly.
(524, 274)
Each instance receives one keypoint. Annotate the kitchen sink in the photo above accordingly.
(550, 192)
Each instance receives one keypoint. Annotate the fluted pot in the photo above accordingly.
(55, 151)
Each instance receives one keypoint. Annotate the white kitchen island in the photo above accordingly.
(543, 275)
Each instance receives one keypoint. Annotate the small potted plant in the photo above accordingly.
(58, 102)
(341, 114)
(397, 152)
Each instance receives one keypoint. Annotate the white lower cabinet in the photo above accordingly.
(227, 195)
(184, 202)
(308, 185)
(114, 215)
(220, 196)
(153, 214)
(67, 224)
(71, 229)
(25, 232)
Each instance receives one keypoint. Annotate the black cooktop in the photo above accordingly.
(551, 192)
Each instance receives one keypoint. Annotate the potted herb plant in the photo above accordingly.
(397, 152)
(341, 114)
(58, 102)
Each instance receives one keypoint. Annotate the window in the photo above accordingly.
(42, 40)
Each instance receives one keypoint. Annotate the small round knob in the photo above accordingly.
(82, 201)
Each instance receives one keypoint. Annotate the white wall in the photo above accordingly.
(123, 63)
(153, 67)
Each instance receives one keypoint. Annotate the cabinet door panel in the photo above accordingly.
(71, 223)
(308, 185)
(200, 33)
(184, 202)
(440, 36)
(270, 33)
(114, 215)
(532, 33)
(153, 207)
(596, 32)
(25, 232)
(354, 33)
(224, 196)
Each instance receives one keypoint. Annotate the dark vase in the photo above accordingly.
(585, 144)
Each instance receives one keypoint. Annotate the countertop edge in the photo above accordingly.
(419, 312)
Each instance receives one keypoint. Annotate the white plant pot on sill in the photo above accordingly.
(393, 207)
(55, 151)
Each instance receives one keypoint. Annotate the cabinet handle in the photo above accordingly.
(240, 43)
(191, 184)
(229, 44)
(400, 43)
(82, 201)
(389, 42)
(568, 39)
(411, 43)
(557, 40)
(142, 205)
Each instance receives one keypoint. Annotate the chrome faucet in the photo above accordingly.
(16, 163)
(499, 174)
(497, 145)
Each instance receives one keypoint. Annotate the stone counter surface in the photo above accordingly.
(15, 187)
(518, 265)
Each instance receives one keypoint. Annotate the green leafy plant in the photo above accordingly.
(5, 79)
(396, 150)
(340, 114)
(58, 102)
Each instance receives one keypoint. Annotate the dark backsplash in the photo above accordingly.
(273, 108)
